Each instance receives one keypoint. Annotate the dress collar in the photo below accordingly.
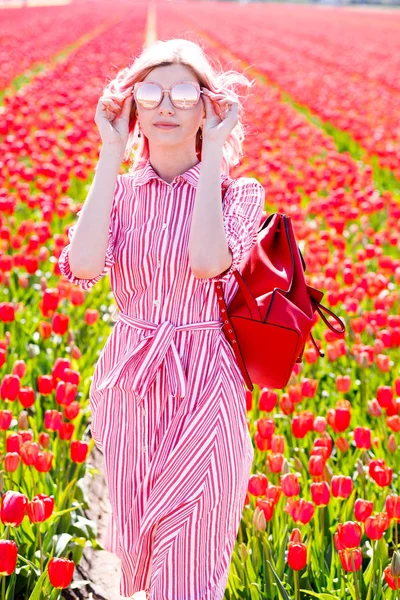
(147, 173)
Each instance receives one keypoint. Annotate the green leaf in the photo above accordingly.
(84, 527)
(279, 583)
(59, 513)
(28, 562)
(62, 541)
(321, 595)
(11, 586)
(37, 590)
(254, 591)
(381, 551)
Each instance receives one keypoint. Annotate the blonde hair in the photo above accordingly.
(191, 54)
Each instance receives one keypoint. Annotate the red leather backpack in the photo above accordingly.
(271, 315)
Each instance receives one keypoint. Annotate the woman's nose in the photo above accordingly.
(166, 102)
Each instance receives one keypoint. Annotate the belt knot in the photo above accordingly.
(156, 348)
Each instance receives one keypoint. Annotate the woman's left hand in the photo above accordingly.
(221, 116)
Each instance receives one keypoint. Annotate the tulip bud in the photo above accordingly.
(243, 552)
(259, 520)
(392, 444)
(360, 468)
(23, 420)
(296, 536)
(297, 464)
(395, 567)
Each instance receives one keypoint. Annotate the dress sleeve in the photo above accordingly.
(63, 261)
(243, 206)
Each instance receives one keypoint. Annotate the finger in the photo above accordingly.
(126, 109)
(110, 105)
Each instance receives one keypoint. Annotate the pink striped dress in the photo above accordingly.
(167, 397)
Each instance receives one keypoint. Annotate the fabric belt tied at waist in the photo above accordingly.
(156, 347)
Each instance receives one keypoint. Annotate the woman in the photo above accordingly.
(167, 397)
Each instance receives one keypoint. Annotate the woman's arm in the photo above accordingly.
(88, 246)
(209, 253)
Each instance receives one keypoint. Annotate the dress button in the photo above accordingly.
(144, 449)
(165, 225)
(156, 302)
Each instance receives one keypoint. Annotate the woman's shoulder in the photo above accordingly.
(244, 185)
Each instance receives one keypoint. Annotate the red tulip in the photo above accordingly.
(78, 451)
(393, 582)
(393, 423)
(302, 423)
(45, 385)
(268, 400)
(345, 559)
(297, 556)
(342, 486)
(309, 387)
(267, 506)
(349, 534)
(36, 510)
(273, 493)
(11, 462)
(278, 444)
(5, 419)
(316, 465)
(258, 484)
(290, 484)
(320, 493)
(275, 462)
(300, 510)
(362, 437)
(8, 556)
(384, 395)
(29, 452)
(53, 419)
(380, 472)
(392, 504)
(44, 462)
(375, 526)
(343, 383)
(266, 427)
(325, 442)
(13, 508)
(10, 386)
(286, 404)
(339, 418)
(320, 424)
(61, 571)
(60, 323)
(363, 509)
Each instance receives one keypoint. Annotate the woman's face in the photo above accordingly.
(188, 120)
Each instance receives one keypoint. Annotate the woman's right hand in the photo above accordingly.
(112, 118)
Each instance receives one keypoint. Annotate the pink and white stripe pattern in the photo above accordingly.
(167, 397)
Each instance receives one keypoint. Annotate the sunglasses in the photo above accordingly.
(183, 94)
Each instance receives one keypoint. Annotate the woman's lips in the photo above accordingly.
(166, 126)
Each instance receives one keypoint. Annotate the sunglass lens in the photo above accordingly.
(148, 95)
(184, 95)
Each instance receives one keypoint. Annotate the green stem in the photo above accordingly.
(356, 588)
(3, 587)
(296, 585)
(372, 573)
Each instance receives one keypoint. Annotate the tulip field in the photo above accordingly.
(322, 513)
